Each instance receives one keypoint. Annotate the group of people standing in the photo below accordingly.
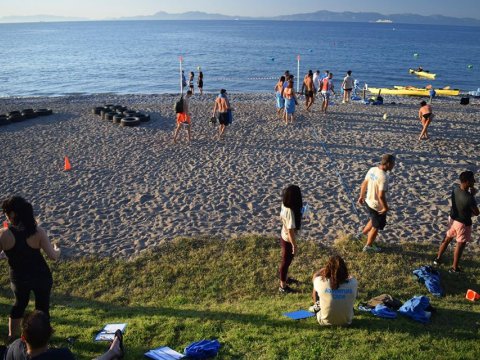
(313, 85)
(191, 77)
(334, 291)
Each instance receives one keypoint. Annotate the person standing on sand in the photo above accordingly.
(287, 78)
(291, 217)
(316, 81)
(184, 119)
(200, 82)
(22, 242)
(425, 115)
(184, 80)
(190, 81)
(290, 102)
(326, 86)
(222, 106)
(309, 91)
(347, 86)
(464, 206)
(375, 186)
(280, 101)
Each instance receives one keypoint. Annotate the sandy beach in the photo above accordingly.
(132, 188)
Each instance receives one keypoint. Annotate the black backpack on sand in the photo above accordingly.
(179, 105)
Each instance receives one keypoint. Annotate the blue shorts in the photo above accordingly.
(290, 106)
(326, 95)
(280, 101)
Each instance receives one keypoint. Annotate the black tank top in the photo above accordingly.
(26, 263)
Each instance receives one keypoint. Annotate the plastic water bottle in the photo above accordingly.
(306, 215)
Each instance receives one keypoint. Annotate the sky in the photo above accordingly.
(99, 9)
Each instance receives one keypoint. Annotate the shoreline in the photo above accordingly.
(131, 188)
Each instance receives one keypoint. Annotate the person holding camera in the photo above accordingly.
(464, 206)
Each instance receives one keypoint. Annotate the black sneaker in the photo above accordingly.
(455, 271)
(285, 290)
(437, 261)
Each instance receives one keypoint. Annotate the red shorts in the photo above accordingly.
(459, 231)
(183, 118)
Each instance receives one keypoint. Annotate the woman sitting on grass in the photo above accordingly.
(21, 242)
(334, 293)
(291, 216)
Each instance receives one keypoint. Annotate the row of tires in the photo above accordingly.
(18, 116)
(119, 114)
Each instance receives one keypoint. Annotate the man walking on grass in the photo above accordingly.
(375, 187)
(464, 206)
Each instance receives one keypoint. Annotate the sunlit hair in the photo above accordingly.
(292, 199)
(336, 271)
(21, 213)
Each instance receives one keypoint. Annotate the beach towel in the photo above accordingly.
(298, 315)
(290, 106)
(202, 349)
(416, 309)
(431, 278)
(384, 311)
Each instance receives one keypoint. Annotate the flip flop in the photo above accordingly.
(119, 335)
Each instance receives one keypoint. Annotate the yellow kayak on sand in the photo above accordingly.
(413, 91)
(422, 74)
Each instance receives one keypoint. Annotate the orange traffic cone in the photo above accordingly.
(67, 165)
(472, 295)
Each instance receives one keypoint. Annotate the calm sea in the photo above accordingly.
(242, 56)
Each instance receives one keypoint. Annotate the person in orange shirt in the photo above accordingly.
(222, 106)
(425, 115)
(326, 86)
(183, 118)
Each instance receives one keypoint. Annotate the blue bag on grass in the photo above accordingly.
(384, 311)
(202, 349)
(431, 278)
(415, 309)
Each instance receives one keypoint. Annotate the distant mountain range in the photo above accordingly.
(322, 15)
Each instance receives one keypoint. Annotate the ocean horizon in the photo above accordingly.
(142, 57)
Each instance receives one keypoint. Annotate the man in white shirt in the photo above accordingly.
(316, 81)
(375, 187)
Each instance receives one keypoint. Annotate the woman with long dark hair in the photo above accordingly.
(334, 293)
(291, 216)
(21, 242)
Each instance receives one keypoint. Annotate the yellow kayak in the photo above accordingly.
(412, 91)
(422, 74)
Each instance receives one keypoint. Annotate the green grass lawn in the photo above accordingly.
(192, 289)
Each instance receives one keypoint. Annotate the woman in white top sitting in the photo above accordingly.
(291, 216)
(334, 293)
